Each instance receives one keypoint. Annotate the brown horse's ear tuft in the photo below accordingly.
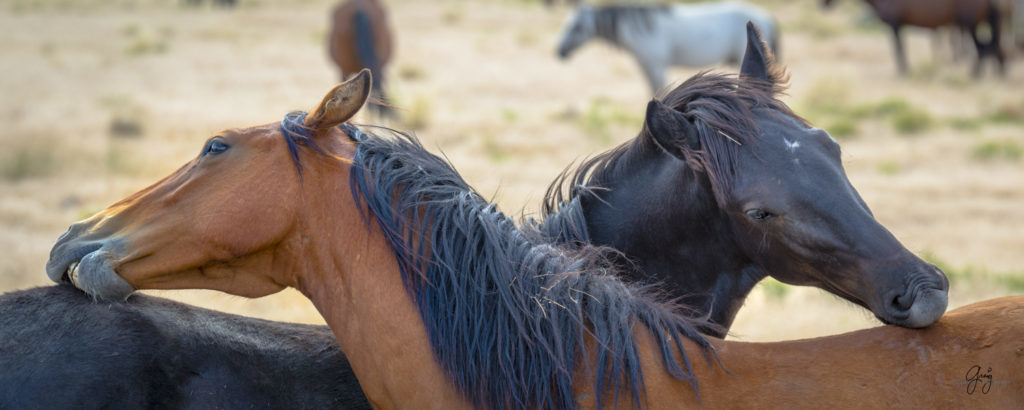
(342, 102)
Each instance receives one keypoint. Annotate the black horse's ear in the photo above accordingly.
(671, 130)
(757, 60)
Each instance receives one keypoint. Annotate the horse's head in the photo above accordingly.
(793, 210)
(234, 208)
(578, 29)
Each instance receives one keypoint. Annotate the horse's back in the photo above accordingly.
(885, 366)
(60, 349)
(343, 37)
(710, 33)
(932, 13)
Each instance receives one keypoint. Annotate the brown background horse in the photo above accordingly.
(360, 37)
(933, 14)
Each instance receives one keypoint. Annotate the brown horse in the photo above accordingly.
(437, 298)
(360, 37)
(965, 14)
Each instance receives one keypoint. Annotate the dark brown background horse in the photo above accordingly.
(360, 37)
(933, 14)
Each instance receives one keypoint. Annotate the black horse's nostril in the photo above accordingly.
(902, 302)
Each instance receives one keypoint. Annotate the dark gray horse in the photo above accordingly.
(59, 349)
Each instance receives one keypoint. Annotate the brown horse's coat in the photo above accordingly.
(932, 13)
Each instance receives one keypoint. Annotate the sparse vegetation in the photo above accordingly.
(826, 103)
(1012, 281)
(997, 150)
(451, 16)
(126, 116)
(418, 116)
(411, 72)
(890, 167)
(1008, 113)
(911, 121)
(603, 114)
(842, 128)
(774, 290)
(28, 159)
(509, 115)
(965, 123)
(495, 153)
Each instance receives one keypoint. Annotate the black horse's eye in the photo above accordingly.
(214, 146)
(758, 214)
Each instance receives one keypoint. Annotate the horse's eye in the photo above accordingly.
(214, 146)
(758, 214)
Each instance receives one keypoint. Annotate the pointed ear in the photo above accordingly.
(671, 130)
(758, 60)
(342, 102)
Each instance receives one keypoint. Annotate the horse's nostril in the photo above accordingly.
(902, 302)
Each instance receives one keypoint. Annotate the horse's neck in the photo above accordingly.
(676, 234)
(356, 286)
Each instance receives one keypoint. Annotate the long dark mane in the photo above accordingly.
(506, 316)
(720, 106)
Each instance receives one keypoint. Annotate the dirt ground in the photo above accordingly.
(101, 98)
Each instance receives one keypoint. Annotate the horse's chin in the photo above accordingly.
(94, 274)
(928, 307)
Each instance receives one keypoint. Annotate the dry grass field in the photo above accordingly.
(100, 98)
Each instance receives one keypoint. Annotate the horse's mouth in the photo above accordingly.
(71, 274)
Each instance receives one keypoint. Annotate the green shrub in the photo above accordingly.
(911, 121)
(30, 159)
(842, 128)
(997, 149)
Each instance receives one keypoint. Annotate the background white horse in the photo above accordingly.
(661, 36)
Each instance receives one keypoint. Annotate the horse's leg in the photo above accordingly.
(937, 45)
(901, 57)
(655, 74)
(995, 46)
(982, 50)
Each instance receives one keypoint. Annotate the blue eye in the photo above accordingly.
(213, 147)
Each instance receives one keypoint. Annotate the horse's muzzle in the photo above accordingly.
(921, 303)
(87, 265)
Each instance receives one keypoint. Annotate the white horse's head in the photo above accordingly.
(579, 27)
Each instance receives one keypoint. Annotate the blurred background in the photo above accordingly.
(100, 98)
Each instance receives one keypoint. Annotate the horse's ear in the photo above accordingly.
(342, 102)
(758, 60)
(671, 130)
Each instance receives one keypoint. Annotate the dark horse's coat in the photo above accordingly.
(60, 350)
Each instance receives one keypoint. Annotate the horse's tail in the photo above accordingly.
(366, 51)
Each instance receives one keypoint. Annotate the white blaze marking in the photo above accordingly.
(791, 145)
